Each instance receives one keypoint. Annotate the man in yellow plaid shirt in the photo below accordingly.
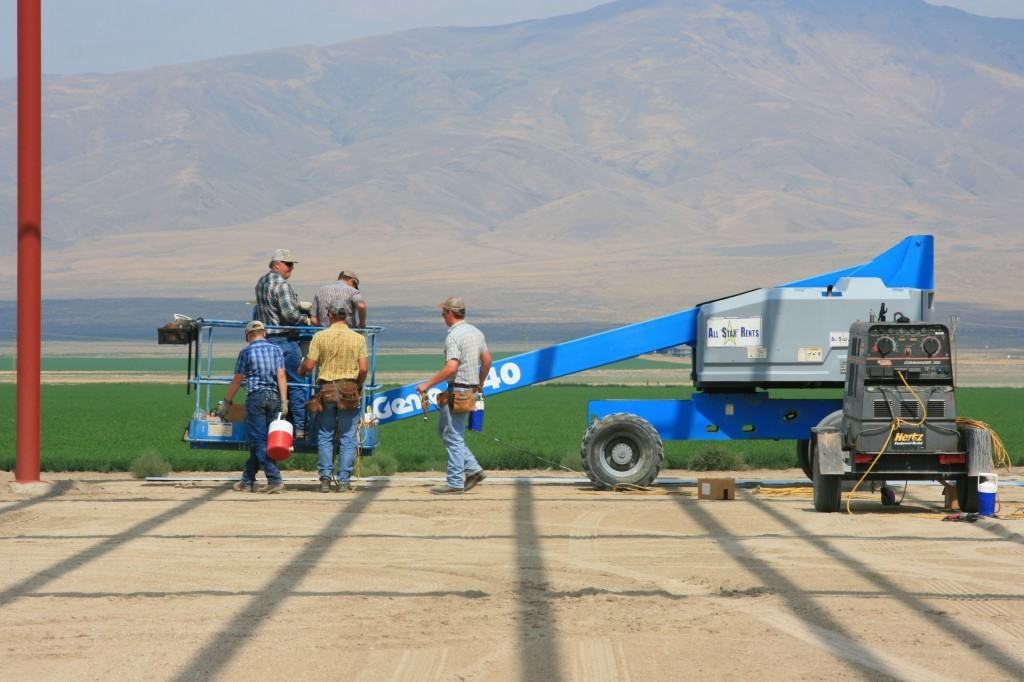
(341, 358)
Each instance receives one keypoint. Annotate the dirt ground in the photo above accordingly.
(523, 578)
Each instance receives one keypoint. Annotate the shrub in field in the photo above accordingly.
(150, 464)
(381, 464)
(715, 458)
(572, 460)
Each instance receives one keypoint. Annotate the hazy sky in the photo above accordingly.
(122, 35)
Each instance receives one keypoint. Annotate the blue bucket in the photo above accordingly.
(987, 495)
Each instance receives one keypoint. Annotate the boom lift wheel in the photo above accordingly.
(828, 488)
(621, 449)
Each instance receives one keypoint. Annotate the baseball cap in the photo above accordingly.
(254, 326)
(348, 274)
(453, 303)
(337, 309)
(283, 255)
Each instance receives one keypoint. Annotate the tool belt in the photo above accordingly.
(344, 393)
(459, 402)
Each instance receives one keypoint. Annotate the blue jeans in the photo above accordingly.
(261, 408)
(346, 422)
(451, 428)
(297, 386)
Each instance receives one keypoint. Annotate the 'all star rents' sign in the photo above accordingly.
(733, 331)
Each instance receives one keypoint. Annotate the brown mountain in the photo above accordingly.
(622, 162)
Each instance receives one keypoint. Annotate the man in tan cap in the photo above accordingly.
(467, 363)
(344, 292)
(278, 304)
(261, 366)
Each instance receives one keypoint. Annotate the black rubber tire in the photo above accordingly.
(828, 489)
(803, 457)
(967, 493)
(621, 449)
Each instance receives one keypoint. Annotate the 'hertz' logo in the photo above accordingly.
(908, 439)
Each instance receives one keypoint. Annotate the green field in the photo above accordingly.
(386, 362)
(104, 427)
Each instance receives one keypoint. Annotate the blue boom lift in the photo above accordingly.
(794, 335)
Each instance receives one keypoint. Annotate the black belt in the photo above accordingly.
(454, 385)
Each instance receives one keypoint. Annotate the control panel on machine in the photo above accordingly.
(920, 351)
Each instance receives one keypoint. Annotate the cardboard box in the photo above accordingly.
(236, 413)
(716, 489)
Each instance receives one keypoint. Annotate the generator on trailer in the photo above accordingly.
(899, 415)
(795, 335)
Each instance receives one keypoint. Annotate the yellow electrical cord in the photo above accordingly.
(362, 428)
(894, 426)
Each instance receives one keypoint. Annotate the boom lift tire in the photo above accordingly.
(967, 493)
(828, 490)
(621, 449)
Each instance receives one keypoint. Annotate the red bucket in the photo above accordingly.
(279, 440)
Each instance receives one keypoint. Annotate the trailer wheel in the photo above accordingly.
(621, 449)
(828, 490)
(803, 457)
(967, 493)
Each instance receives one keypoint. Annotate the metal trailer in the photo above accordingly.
(205, 428)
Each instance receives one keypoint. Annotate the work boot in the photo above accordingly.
(272, 488)
(325, 484)
(473, 479)
(446, 490)
(243, 487)
(344, 487)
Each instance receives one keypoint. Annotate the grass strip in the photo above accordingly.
(105, 427)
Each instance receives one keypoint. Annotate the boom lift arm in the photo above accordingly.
(907, 265)
(793, 335)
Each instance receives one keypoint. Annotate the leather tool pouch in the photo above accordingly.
(463, 401)
(348, 395)
(344, 394)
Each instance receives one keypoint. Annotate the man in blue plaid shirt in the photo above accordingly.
(278, 304)
(261, 366)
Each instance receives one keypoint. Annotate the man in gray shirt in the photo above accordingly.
(467, 363)
(344, 292)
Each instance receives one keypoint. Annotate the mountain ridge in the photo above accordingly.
(689, 148)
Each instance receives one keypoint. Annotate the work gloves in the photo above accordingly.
(223, 409)
(284, 406)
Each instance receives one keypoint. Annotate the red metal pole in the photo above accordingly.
(30, 291)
